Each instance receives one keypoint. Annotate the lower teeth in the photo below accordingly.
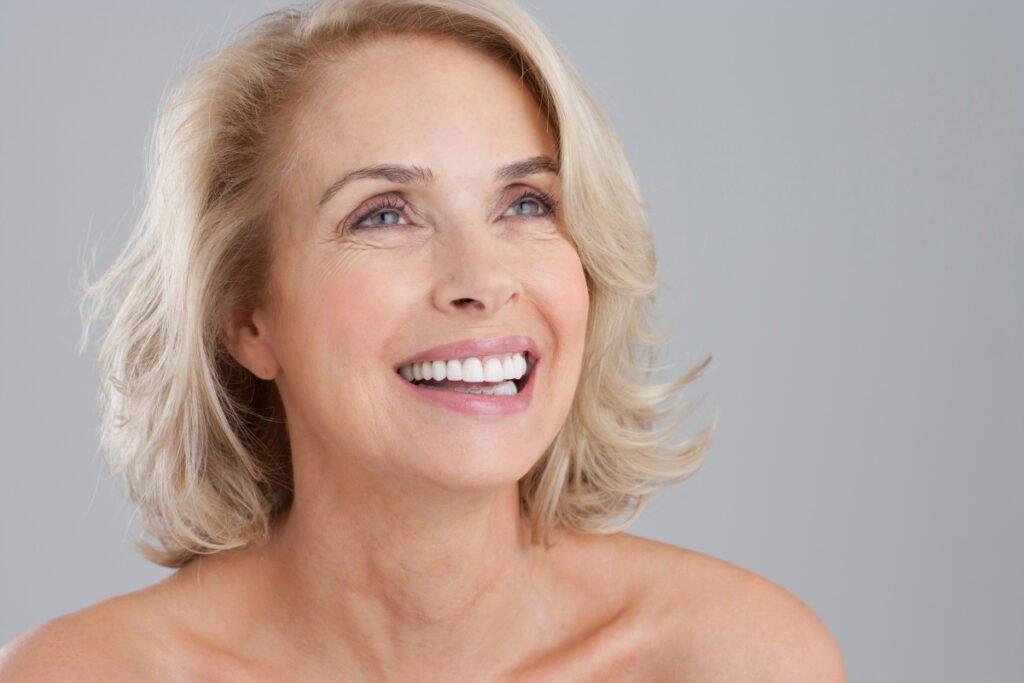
(504, 389)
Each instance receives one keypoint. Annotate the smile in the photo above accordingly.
(496, 375)
(479, 377)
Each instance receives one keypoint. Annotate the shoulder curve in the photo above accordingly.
(755, 629)
(722, 622)
(56, 650)
(98, 643)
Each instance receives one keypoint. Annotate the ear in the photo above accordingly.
(246, 334)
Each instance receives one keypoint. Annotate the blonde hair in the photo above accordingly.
(202, 443)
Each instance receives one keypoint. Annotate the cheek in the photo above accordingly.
(560, 289)
(336, 320)
(579, 291)
(565, 290)
(361, 296)
(343, 322)
(358, 306)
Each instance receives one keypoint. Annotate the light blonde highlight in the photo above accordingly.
(202, 443)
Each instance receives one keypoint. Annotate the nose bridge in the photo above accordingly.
(474, 271)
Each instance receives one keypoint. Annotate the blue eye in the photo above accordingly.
(529, 207)
(533, 204)
(380, 213)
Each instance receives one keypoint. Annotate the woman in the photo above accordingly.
(375, 381)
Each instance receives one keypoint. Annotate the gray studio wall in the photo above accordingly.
(835, 190)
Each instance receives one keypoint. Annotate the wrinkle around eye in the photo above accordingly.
(384, 238)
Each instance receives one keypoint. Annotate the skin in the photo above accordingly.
(404, 556)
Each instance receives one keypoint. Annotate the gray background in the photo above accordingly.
(836, 195)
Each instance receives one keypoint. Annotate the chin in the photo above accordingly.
(477, 466)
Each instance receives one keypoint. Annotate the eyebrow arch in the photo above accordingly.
(409, 175)
(403, 175)
(521, 169)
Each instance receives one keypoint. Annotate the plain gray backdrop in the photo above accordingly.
(836, 192)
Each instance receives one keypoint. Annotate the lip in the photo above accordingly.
(475, 347)
(477, 405)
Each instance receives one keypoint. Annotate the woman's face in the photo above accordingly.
(456, 245)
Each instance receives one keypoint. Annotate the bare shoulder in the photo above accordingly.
(114, 640)
(76, 647)
(717, 621)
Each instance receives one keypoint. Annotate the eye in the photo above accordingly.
(384, 218)
(532, 203)
(381, 212)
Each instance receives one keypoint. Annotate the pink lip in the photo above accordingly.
(475, 347)
(474, 404)
(477, 404)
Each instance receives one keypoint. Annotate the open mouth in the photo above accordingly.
(497, 375)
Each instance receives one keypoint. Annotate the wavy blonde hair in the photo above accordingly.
(202, 443)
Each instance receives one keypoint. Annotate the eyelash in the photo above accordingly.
(390, 203)
(543, 198)
(387, 203)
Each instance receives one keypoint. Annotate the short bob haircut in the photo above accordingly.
(201, 442)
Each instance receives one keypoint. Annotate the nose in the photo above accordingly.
(475, 274)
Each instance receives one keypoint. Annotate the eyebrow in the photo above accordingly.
(416, 175)
(521, 169)
(404, 175)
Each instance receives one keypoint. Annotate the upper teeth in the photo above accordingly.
(474, 369)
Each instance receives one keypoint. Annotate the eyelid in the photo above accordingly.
(546, 200)
(389, 201)
(396, 202)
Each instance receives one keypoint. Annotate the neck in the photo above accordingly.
(406, 575)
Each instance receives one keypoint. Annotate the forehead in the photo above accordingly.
(431, 101)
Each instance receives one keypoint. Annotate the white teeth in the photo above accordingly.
(493, 371)
(509, 366)
(472, 370)
(520, 363)
(504, 389)
(440, 369)
(453, 370)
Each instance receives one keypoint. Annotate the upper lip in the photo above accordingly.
(475, 347)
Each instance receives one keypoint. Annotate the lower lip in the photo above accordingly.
(475, 404)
